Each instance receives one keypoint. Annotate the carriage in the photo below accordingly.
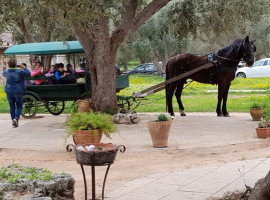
(54, 96)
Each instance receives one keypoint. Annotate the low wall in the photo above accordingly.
(59, 187)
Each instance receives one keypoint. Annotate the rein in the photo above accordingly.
(224, 58)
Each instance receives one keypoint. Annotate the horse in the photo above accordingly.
(222, 73)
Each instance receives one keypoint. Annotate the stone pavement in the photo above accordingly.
(197, 130)
(197, 183)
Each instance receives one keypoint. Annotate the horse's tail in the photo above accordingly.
(166, 86)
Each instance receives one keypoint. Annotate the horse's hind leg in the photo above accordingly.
(178, 93)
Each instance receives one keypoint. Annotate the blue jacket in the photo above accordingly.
(15, 79)
(58, 74)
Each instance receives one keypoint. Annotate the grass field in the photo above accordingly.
(202, 97)
(196, 97)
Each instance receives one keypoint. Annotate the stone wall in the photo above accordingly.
(61, 187)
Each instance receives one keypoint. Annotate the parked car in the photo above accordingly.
(145, 68)
(83, 62)
(260, 68)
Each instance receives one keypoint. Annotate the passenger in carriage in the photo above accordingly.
(60, 73)
(51, 73)
(69, 71)
(38, 71)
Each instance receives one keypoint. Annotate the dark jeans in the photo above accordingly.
(15, 101)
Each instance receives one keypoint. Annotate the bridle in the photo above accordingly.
(234, 60)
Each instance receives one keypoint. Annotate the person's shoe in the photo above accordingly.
(15, 123)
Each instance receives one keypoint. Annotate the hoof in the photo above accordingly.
(220, 115)
(182, 113)
(227, 115)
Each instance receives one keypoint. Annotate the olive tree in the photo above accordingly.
(101, 26)
(32, 21)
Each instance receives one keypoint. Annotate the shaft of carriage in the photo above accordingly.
(158, 87)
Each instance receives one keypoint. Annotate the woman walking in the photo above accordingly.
(15, 88)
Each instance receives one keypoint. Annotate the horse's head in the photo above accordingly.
(248, 49)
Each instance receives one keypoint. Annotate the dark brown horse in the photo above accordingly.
(222, 73)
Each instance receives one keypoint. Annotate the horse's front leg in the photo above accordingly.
(169, 95)
(220, 97)
(178, 93)
(225, 97)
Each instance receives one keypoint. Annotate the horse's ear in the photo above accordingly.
(254, 50)
(247, 39)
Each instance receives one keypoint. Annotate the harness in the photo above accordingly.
(218, 68)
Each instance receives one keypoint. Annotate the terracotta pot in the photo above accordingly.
(87, 136)
(256, 113)
(84, 106)
(262, 132)
(159, 131)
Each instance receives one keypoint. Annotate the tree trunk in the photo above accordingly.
(261, 190)
(156, 63)
(46, 62)
(101, 65)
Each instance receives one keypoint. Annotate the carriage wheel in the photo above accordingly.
(124, 106)
(55, 107)
(30, 106)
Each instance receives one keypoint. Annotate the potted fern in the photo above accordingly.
(256, 111)
(88, 127)
(159, 130)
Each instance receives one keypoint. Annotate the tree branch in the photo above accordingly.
(120, 32)
(28, 38)
(132, 22)
(146, 13)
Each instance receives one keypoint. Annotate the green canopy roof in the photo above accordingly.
(45, 48)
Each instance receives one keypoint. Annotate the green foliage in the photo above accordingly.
(257, 105)
(91, 120)
(266, 114)
(163, 117)
(262, 124)
(13, 173)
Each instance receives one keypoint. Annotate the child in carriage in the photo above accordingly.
(51, 73)
(60, 73)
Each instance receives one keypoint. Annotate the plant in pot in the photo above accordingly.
(159, 130)
(266, 119)
(256, 111)
(88, 127)
(262, 130)
(84, 105)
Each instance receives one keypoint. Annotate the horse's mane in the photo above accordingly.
(232, 49)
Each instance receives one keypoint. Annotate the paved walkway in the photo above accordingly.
(197, 130)
(197, 184)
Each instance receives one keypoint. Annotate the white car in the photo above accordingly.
(261, 68)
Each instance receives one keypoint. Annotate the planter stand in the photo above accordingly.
(96, 159)
(93, 176)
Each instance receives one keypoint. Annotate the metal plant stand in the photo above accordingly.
(93, 159)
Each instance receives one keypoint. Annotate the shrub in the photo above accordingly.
(163, 117)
